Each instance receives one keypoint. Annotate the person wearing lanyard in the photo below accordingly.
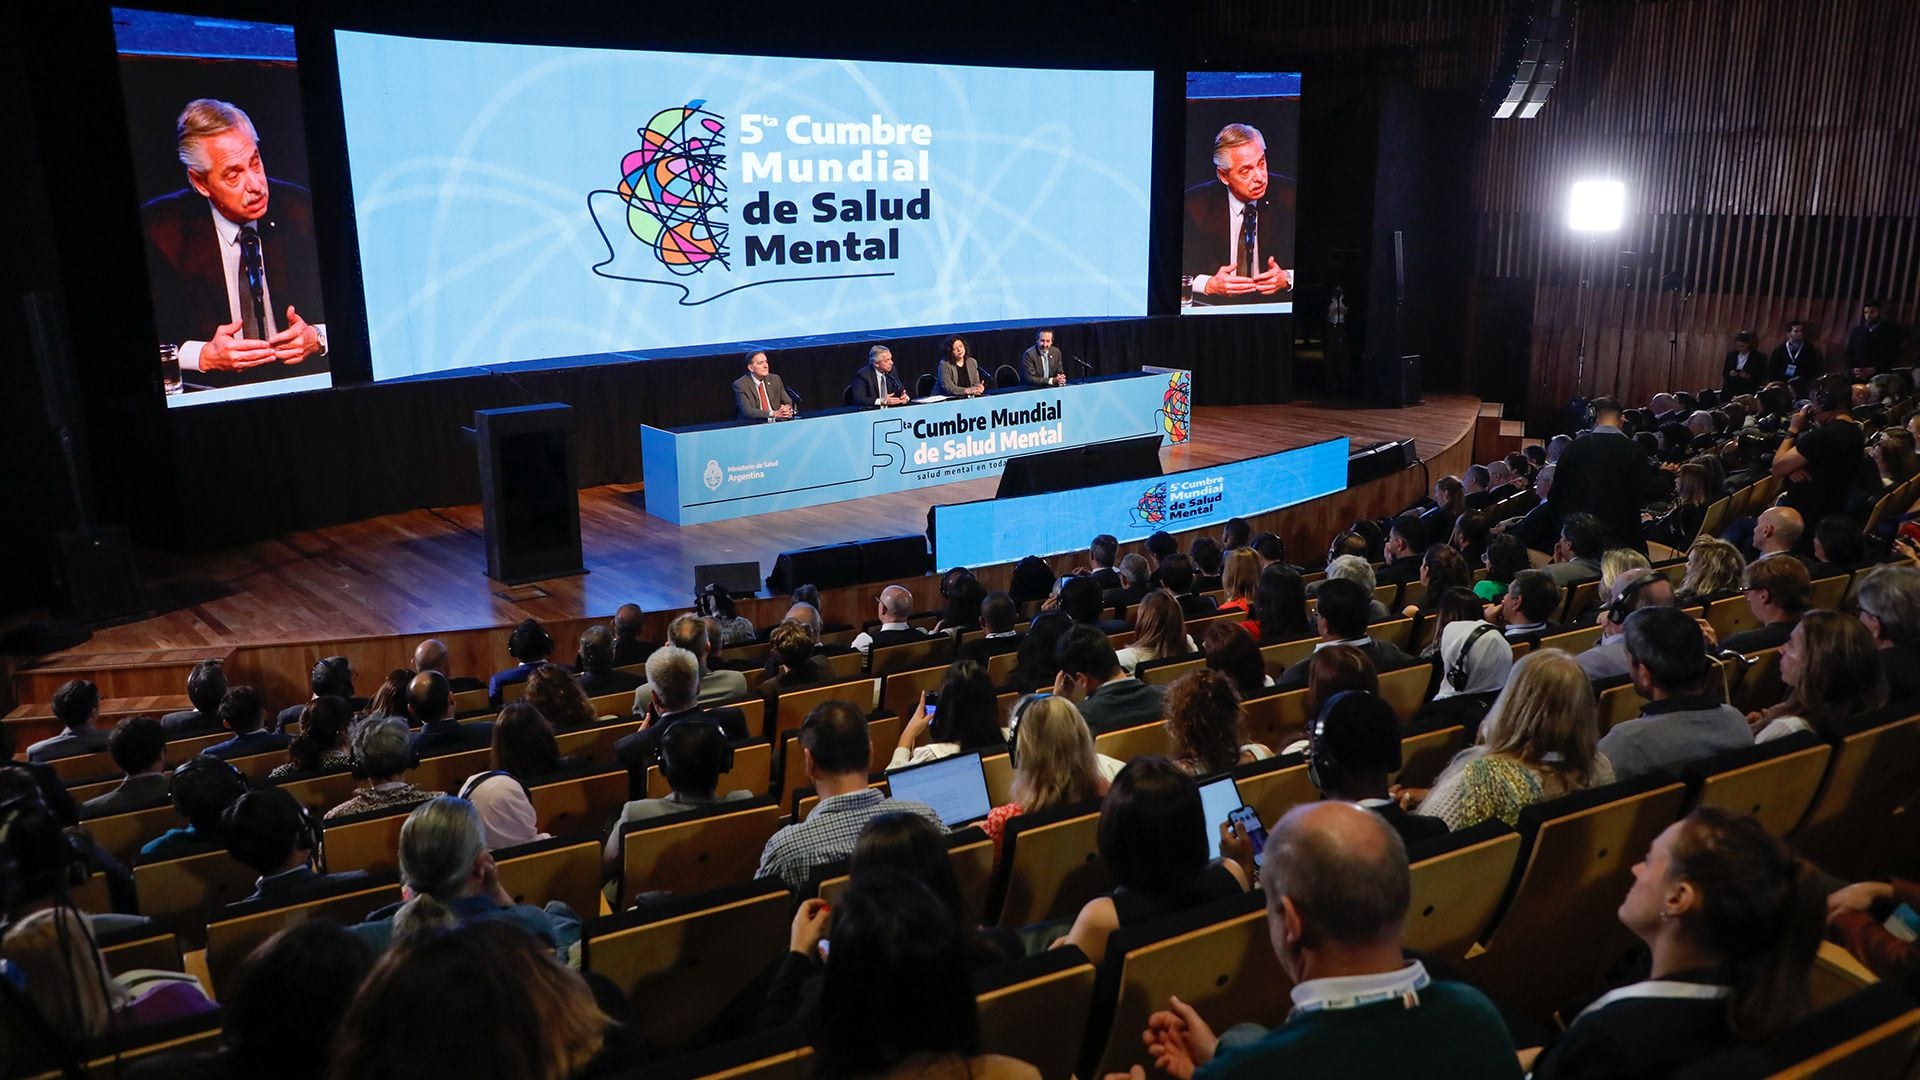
(1733, 919)
(1337, 888)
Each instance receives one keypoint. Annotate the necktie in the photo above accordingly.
(764, 403)
(253, 287)
(1249, 237)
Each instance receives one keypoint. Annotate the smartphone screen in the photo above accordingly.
(1248, 821)
(933, 703)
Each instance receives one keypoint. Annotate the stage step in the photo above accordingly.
(30, 723)
(117, 674)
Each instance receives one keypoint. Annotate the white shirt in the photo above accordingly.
(865, 641)
(1353, 991)
(1360, 642)
(227, 234)
(1235, 211)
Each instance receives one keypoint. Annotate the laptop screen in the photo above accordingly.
(1219, 797)
(956, 788)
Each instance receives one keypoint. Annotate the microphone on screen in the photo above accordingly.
(795, 395)
(1082, 363)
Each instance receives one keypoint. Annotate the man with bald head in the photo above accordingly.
(1777, 532)
(1337, 888)
(431, 655)
(892, 607)
(628, 647)
(430, 704)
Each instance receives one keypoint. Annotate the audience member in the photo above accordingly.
(1538, 743)
(1470, 535)
(244, 713)
(1889, 601)
(1576, 556)
(524, 745)
(1208, 561)
(270, 833)
(964, 718)
(1692, 493)
(1873, 344)
(390, 698)
(1232, 653)
(1474, 485)
(1177, 577)
(1090, 677)
(1079, 601)
(431, 655)
(1337, 889)
(1134, 585)
(1153, 836)
(201, 789)
(530, 645)
(1778, 591)
(1776, 533)
(1449, 502)
(505, 806)
(206, 685)
(562, 699)
(1604, 474)
(331, 677)
(1823, 454)
(322, 743)
(1101, 553)
(1037, 664)
(1406, 542)
(1441, 568)
(1450, 606)
(1240, 580)
(501, 1011)
(76, 705)
(1235, 534)
(629, 648)
(964, 600)
(1638, 589)
(1506, 556)
(1684, 719)
(1733, 921)
(693, 758)
(1357, 570)
(1279, 607)
(1353, 749)
(383, 752)
(1616, 564)
(1831, 668)
(1329, 671)
(835, 751)
(893, 607)
(1474, 663)
(1206, 721)
(1744, 370)
(597, 674)
(52, 951)
(1160, 633)
(1340, 618)
(716, 603)
(1838, 548)
(1795, 359)
(1526, 611)
(1053, 762)
(430, 703)
(1715, 571)
(717, 686)
(673, 677)
(793, 650)
(139, 747)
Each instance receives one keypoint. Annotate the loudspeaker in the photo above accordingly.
(93, 576)
(1064, 470)
(891, 557)
(740, 578)
(830, 566)
(529, 492)
(1533, 52)
(1377, 460)
(1399, 267)
(1393, 380)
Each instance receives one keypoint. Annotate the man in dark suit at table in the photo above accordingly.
(1042, 364)
(876, 384)
(1239, 228)
(760, 394)
(1795, 360)
(232, 258)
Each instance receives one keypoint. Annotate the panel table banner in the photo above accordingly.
(1006, 530)
(723, 471)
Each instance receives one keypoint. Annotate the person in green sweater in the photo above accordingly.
(1337, 890)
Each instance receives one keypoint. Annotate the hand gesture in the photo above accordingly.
(784, 412)
(1063, 686)
(918, 724)
(1407, 797)
(1273, 279)
(1236, 845)
(1857, 897)
(297, 342)
(809, 926)
(1179, 1040)
(229, 352)
(1060, 378)
(1226, 282)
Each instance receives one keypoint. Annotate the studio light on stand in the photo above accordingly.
(1595, 208)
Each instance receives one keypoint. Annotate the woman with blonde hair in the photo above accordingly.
(1715, 571)
(1240, 579)
(1054, 762)
(53, 953)
(1831, 667)
(1613, 563)
(1538, 743)
(1160, 631)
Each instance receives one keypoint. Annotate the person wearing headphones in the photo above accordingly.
(1353, 748)
(383, 751)
(531, 645)
(693, 758)
(201, 791)
(271, 834)
(1633, 590)
(1823, 455)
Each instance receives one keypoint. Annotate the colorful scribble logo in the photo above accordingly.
(1176, 407)
(1151, 510)
(670, 196)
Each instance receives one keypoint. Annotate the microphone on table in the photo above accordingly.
(795, 395)
(1082, 363)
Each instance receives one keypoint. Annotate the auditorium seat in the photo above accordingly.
(1869, 1036)
(183, 893)
(1275, 786)
(1730, 616)
(123, 835)
(1406, 689)
(698, 850)
(794, 705)
(971, 852)
(1005, 377)
(235, 931)
(1851, 825)
(883, 734)
(1579, 600)
(900, 692)
(752, 771)
(1035, 1009)
(560, 868)
(1458, 882)
(1050, 865)
(1278, 658)
(1759, 687)
(471, 703)
(84, 767)
(583, 804)
(1619, 703)
(999, 770)
(595, 743)
(1141, 740)
(147, 945)
(1423, 754)
(368, 841)
(107, 1057)
(446, 772)
(1165, 672)
(682, 961)
(910, 655)
(1774, 781)
(1000, 667)
(616, 705)
(1828, 592)
(1574, 641)
(1558, 929)
(780, 1053)
(1217, 958)
(1275, 719)
(322, 791)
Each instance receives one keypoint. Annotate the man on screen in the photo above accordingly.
(759, 394)
(1240, 226)
(1042, 365)
(236, 278)
(876, 383)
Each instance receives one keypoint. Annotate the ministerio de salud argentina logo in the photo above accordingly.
(713, 478)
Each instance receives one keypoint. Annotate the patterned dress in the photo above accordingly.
(1492, 786)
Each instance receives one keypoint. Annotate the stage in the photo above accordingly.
(422, 571)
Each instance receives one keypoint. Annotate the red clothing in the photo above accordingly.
(1864, 936)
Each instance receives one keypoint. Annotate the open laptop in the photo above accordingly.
(1219, 797)
(956, 788)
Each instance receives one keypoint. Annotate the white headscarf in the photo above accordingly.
(1487, 666)
(505, 811)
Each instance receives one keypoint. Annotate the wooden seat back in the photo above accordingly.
(1275, 786)
(123, 835)
(1576, 641)
(567, 870)
(1457, 891)
(1000, 667)
(1423, 755)
(446, 772)
(1829, 592)
(579, 805)
(1141, 740)
(232, 937)
(1035, 1010)
(900, 694)
(1406, 689)
(1274, 720)
(752, 771)
(154, 948)
(1619, 703)
(1052, 865)
(937, 649)
(1760, 687)
(1731, 615)
(794, 705)
(1278, 658)
(321, 792)
(882, 736)
(696, 851)
(183, 892)
(999, 770)
(369, 842)
(1774, 783)
(1166, 672)
(1872, 774)
(595, 743)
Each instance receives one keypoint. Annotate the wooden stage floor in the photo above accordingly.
(424, 571)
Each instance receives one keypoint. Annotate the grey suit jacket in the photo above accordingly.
(716, 688)
(746, 402)
(1034, 372)
(950, 376)
(134, 793)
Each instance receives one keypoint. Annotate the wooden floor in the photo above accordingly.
(424, 571)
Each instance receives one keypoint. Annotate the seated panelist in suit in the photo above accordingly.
(759, 394)
(232, 258)
(960, 373)
(1042, 365)
(1240, 224)
(876, 384)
